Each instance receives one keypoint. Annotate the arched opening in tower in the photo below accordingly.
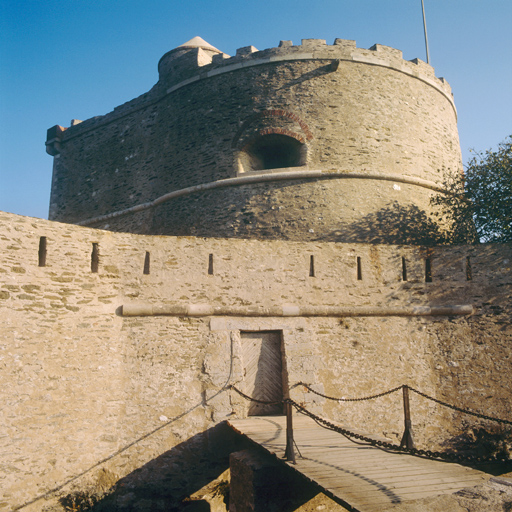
(273, 151)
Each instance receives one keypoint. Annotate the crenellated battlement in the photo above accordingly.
(313, 49)
(188, 64)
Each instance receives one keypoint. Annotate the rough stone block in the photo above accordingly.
(345, 43)
(219, 58)
(387, 50)
(313, 43)
(254, 481)
(245, 50)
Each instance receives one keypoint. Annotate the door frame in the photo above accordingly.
(285, 386)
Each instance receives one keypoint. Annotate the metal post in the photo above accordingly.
(289, 453)
(407, 439)
(425, 30)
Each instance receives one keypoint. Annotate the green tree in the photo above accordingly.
(479, 201)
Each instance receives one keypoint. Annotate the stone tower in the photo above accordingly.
(118, 348)
(307, 142)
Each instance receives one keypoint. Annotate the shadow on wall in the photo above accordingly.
(242, 218)
(395, 224)
(166, 482)
(190, 478)
(315, 73)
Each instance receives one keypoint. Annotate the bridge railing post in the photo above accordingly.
(289, 453)
(407, 439)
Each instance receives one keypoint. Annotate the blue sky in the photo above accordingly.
(67, 59)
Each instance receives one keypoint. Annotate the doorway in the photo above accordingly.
(262, 354)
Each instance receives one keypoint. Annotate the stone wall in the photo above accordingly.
(85, 387)
(345, 108)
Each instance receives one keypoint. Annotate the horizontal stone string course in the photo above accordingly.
(266, 177)
(290, 310)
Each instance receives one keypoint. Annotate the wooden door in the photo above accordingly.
(262, 356)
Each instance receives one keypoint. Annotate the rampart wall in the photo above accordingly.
(82, 382)
(337, 106)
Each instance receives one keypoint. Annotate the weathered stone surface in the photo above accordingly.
(85, 389)
(116, 349)
(373, 112)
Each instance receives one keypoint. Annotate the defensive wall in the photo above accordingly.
(115, 347)
(307, 142)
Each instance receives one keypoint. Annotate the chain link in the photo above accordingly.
(424, 395)
(307, 386)
(430, 454)
(446, 456)
(459, 409)
(250, 398)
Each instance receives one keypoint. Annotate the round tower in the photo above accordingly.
(306, 142)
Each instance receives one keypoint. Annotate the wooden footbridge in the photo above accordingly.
(361, 477)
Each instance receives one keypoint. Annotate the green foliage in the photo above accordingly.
(479, 201)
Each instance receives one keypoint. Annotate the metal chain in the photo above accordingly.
(465, 411)
(449, 457)
(250, 398)
(424, 395)
(349, 399)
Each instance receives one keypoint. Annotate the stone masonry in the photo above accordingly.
(381, 130)
(285, 190)
(82, 380)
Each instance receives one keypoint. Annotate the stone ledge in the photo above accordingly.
(289, 310)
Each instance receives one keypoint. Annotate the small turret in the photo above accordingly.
(184, 60)
(53, 139)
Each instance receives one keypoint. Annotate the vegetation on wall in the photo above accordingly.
(479, 201)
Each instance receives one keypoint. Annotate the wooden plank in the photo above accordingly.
(378, 495)
(404, 479)
(365, 477)
(395, 465)
(400, 471)
(405, 485)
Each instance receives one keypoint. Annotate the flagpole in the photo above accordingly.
(425, 29)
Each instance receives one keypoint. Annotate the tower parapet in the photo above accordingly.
(209, 61)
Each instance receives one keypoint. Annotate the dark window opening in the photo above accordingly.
(312, 266)
(273, 151)
(359, 269)
(146, 263)
(95, 257)
(428, 270)
(42, 251)
(210, 264)
(404, 269)
(469, 271)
